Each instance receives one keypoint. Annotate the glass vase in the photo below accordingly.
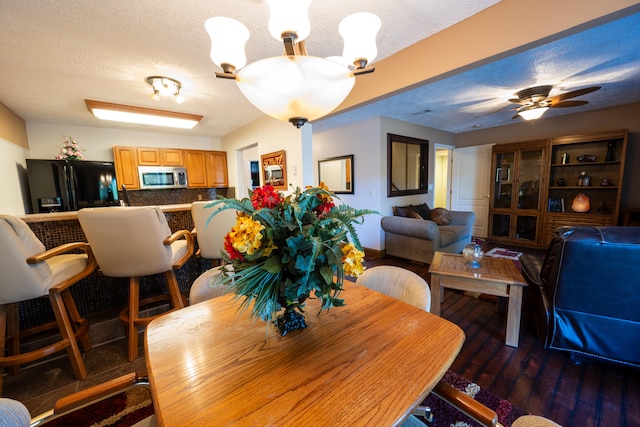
(473, 254)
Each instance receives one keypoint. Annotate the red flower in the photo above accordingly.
(324, 209)
(228, 246)
(266, 197)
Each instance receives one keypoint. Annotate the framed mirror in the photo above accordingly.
(337, 174)
(407, 165)
(274, 170)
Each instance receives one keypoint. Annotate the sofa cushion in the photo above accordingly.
(406, 211)
(440, 216)
(452, 233)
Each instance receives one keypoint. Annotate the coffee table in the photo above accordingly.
(496, 276)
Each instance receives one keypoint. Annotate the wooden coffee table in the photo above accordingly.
(496, 276)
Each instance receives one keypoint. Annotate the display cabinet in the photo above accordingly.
(517, 208)
(573, 199)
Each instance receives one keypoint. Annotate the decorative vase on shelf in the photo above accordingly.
(473, 254)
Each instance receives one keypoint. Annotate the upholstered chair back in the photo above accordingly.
(20, 281)
(398, 283)
(128, 241)
(211, 233)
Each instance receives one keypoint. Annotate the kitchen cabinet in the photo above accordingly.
(517, 191)
(601, 156)
(126, 164)
(216, 169)
(149, 156)
(194, 161)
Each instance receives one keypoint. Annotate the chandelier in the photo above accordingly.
(294, 87)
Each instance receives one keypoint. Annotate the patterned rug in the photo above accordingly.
(122, 410)
(504, 253)
(445, 415)
(132, 406)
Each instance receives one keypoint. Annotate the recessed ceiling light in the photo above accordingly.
(142, 115)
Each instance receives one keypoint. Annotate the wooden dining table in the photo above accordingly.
(369, 363)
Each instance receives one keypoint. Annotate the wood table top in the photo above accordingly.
(367, 363)
(492, 269)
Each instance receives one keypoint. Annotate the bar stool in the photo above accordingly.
(135, 242)
(29, 271)
(210, 231)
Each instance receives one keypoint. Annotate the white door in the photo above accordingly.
(471, 184)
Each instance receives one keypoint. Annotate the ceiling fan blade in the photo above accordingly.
(568, 104)
(518, 101)
(572, 94)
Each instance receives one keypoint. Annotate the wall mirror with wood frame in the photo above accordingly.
(407, 170)
(337, 174)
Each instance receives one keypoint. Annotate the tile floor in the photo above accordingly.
(39, 386)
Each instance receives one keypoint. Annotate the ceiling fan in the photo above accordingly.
(535, 100)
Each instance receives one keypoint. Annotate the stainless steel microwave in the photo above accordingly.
(161, 177)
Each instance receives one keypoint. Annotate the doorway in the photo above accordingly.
(442, 176)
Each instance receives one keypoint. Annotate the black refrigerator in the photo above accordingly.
(70, 185)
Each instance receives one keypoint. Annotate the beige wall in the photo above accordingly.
(12, 127)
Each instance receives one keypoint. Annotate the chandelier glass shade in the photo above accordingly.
(294, 87)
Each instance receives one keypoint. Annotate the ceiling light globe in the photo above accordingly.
(289, 16)
(533, 113)
(359, 32)
(286, 87)
(228, 37)
(179, 99)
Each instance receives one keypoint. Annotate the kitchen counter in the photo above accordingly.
(98, 293)
(73, 215)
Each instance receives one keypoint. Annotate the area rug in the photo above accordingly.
(445, 415)
(121, 410)
(127, 408)
(504, 253)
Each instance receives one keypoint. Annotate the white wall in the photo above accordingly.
(270, 135)
(45, 140)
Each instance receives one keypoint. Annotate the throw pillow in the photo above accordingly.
(415, 215)
(422, 210)
(441, 216)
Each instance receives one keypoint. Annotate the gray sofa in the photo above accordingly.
(418, 239)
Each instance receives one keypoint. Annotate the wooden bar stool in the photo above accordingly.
(29, 271)
(135, 242)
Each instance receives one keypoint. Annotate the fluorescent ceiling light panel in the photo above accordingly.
(141, 115)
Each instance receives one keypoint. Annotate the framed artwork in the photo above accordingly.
(337, 174)
(274, 170)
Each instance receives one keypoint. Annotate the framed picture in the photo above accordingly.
(274, 170)
(337, 174)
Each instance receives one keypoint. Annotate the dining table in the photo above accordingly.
(367, 363)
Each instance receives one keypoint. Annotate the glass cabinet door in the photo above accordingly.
(529, 179)
(503, 180)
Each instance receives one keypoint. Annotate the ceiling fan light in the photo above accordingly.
(532, 113)
(359, 32)
(228, 37)
(289, 17)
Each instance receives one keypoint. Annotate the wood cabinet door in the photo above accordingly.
(196, 170)
(171, 157)
(216, 164)
(126, 163)
(148, 156)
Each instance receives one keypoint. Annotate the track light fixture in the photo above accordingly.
(165, 86)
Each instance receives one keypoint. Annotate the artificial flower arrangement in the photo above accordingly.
(70, 150)
(285, 249)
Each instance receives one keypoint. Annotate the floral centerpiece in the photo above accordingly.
(283, 250)
(70, 150)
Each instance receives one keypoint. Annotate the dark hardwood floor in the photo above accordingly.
(540, 381)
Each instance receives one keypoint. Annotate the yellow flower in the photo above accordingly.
(246, 235)
(352, 260)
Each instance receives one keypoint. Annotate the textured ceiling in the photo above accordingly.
(55, 54)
